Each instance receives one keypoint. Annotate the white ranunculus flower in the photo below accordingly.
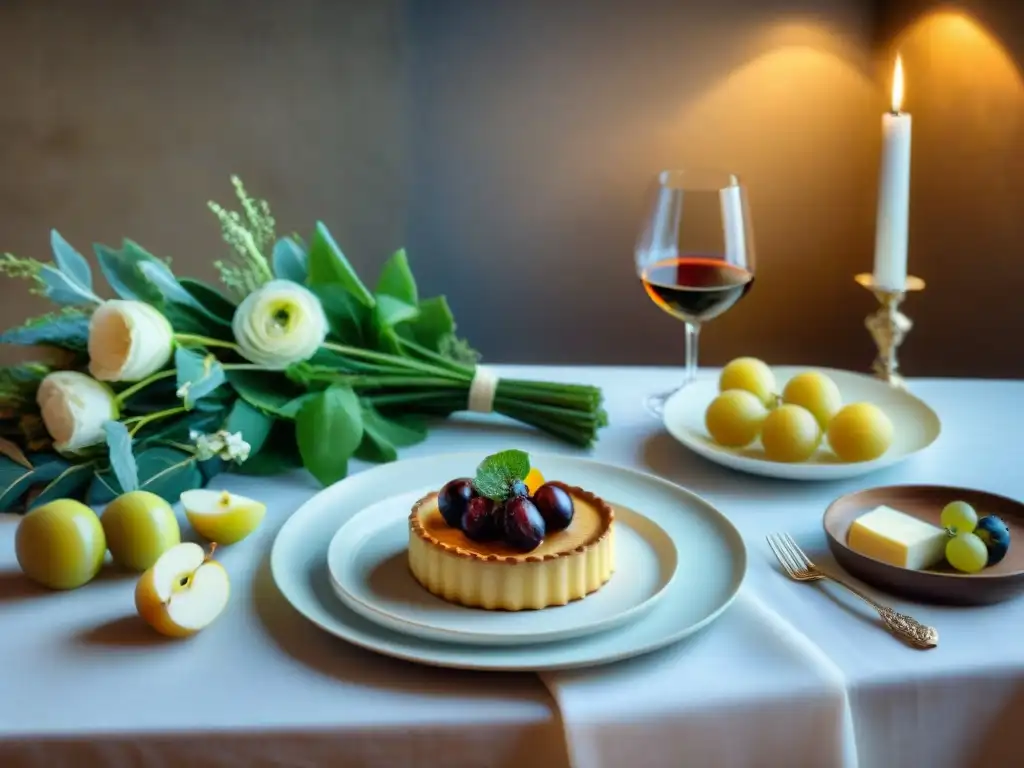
(278, 324)
(128, 341)
(74, 407)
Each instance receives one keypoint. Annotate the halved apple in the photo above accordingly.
(183, 592)
(221, 516)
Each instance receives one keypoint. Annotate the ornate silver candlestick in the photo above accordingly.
(888, 326)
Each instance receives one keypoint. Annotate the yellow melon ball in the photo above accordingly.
(734, 418)
(790, 434)
(860, 432)
(751, 375)
(817, 393)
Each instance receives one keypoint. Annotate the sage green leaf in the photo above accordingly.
(327, 264)
(121, 270)
(210, 298)
(70, 261)
(433, 323)
(103, 489)
(122, 460)
(329, 428)
(496, 473)
(69, 484)
(178, 429)
(383, 435)
(396, 279)
(68, 329)
(270, 392)
(168, 472)
(252, 423)
(290, 261)
(15, 480)
(63, 288)
(279, 453)
(349, 319)
(198, 375)
(390, 311)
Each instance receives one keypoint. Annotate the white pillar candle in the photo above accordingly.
(893, 193)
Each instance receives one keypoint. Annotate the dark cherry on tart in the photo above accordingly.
(527, 551)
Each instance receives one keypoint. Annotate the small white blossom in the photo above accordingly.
(235, 448)
(227, 445)
(182, 392)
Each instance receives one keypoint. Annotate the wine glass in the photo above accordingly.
(695, 253)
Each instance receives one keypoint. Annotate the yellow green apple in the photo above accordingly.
(221, 516)
(183, 592)
(140, 526)
(60, 544)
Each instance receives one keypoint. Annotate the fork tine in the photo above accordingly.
(805, 562)
(776, 546)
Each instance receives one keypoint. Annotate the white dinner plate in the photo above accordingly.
(712, 561)
(916, 426)
(368, 564)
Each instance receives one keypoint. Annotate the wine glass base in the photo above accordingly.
(655, 404)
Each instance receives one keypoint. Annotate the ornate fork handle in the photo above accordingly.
(901, 625)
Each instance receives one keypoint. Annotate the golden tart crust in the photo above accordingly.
(567, 566)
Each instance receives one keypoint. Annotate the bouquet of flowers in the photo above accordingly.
(294, 362)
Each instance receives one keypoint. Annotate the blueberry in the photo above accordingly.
(453, 500)
(479, 522)
(996, 537)
(519, 489)
(524, 526)
(554, 505)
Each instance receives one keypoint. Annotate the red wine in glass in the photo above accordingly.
(696, 288)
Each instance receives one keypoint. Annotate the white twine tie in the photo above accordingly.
(483, 389)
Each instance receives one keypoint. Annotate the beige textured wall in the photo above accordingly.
(965, 89)
(509, 145)
(121, 119)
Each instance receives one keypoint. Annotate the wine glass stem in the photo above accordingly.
(692, 346)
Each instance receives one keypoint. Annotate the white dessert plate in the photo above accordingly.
(711, 563)
(368, 564)
(916, 426)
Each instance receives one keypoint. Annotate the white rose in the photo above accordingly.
(128, 341)
(74, 407)
(279, 324)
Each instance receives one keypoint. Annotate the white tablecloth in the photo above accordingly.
(789, 676)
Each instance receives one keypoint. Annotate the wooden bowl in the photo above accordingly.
(941, 584)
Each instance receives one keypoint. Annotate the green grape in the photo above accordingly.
(959, 517)
(967, 553)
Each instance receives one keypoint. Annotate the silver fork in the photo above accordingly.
(800, 568)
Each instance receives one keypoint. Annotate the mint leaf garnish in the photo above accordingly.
(498, 472)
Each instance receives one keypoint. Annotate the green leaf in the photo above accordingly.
(279, 453)
(188, 320)
(168, 472)
(18, 384)
(396, 279)
(198, 375)
(70, 261)
(290, 261)
(497, 473)
(269, 392)
(433, 323)
(179, 429)
(383, 435)
(327, 264)
(390, 311)
(253, 423)
(122, 460)
(63, 288)
(68, 329)
(69, 484)
(329, 428)
(121, 270)
(349, 320)
(15, 480)
(213, 300)
(103, 489)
